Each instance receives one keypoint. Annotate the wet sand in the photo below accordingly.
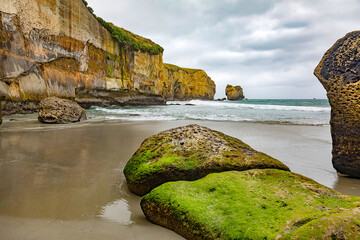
(66, 181)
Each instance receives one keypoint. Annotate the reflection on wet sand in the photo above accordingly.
(50, 178)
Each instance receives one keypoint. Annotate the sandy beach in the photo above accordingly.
(66, 181)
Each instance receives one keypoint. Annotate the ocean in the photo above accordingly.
(272, 111)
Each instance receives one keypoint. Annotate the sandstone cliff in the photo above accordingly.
(339, 73)
(59, 48)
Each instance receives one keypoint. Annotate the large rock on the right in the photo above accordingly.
(234, 92)
(339, 73)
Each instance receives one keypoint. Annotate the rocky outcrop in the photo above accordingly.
(339, 73)
(234, 93)
(189, 153)
(186, 83)
(253, 204)
(57, 110)
(59, 48)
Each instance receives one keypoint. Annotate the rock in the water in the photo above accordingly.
(339, 73)
(253, 204)
(234, 93)
(189, 153)
(57, 110)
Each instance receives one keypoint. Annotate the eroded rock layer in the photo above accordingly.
(189, 153)
(58, 48)
(339, 73)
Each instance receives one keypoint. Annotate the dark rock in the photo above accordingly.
(221, 99)
(57, 110)
(339, 73)
(253, 204)
(20, 107)
(234, 93)
(190, 153)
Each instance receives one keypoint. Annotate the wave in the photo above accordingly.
(227, 104)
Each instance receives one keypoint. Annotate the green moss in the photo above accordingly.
(175, 68)
(254, 204)
(108, 70)
(125, 37)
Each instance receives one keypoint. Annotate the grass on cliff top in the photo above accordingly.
(254, 204)
(126, 37)
(175, 68)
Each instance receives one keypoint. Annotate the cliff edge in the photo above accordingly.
(59, 48)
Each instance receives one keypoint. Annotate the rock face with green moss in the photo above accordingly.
(234, 92)
(253, 204)
(189, 153)
(60, 48)
(339, 73)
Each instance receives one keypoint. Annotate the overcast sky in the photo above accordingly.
(269, 47)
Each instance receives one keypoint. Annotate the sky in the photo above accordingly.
(268, 47)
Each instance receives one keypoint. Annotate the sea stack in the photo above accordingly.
(339, 73)
(234, 92)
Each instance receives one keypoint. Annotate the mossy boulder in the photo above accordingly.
(57, 110)
(253, 204)
(189, 153)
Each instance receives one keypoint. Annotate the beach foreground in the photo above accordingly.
(66, 181)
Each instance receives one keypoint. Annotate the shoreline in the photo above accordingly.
(67, 180)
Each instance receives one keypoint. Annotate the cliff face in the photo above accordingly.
(58, 48)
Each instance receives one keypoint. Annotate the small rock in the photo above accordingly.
(189, 153)
(57, 110)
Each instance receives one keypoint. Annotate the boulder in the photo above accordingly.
(57, 110)
(234, 93)
(339, 73)
(253, 204)
(189, 153)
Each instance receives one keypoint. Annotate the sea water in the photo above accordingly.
(272, 111)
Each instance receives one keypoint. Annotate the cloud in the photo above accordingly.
(269, 47)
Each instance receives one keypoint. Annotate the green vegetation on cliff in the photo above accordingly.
(126, 37)
(175, 68)
(253, 204)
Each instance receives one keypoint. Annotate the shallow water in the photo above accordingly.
(66, 181)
